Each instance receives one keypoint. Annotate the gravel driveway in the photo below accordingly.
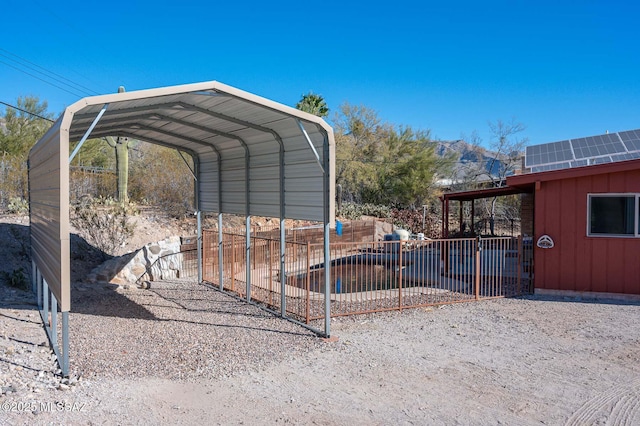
(180, 353)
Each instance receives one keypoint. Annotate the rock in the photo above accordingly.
(117, 280)
(138, 269)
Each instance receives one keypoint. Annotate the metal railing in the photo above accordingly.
(369, 276)
(183, 264)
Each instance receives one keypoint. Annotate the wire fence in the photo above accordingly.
(368, 276)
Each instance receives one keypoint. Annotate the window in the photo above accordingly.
(616, 215)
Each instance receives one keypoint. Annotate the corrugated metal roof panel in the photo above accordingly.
(221, 127)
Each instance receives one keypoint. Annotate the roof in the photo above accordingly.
(531, 178)
(482, 193)
(252, 156)
(524, 183)
(228, 131)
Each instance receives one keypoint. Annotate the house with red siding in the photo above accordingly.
(592, 215)
(585, 226)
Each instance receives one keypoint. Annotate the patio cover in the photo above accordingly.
(252, 156)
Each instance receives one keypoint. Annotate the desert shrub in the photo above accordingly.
(18, 205)
(13, 180)
(107, 228)
(16, 279)
(83, 183)
(159, 177)
(411, 220)
(22, 238)
(355, 211)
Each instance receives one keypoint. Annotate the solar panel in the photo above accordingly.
(631, 139)
(596, 146)
(549, 167)
(554, 152)
(626, 156)
(607, 148)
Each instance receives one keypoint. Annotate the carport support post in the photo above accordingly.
(283, 275)
(327, 253)
(38, 287)
(45, 303)
(248, 256)
(220, 254)
(199, 243)
(33, 276)
(64, 365)
(54, 321)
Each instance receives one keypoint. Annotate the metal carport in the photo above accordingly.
(252, 156)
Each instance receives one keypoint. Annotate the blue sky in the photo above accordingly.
(564, 69)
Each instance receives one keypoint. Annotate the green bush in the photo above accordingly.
(18, 205)
(355, 211)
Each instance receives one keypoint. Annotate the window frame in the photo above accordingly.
(636, 221)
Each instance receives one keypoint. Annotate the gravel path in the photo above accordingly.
(176, 330)
(180, 353)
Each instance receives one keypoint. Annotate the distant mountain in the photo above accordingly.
(474, 164)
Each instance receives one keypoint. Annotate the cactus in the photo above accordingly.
(121, 146)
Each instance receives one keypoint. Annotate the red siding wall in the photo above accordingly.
(578, 262)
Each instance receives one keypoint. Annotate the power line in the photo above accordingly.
(49, 74)
(27, 112)
(49, 77)
(41, 79)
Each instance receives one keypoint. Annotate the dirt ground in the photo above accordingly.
(525, 361)
(510, 361)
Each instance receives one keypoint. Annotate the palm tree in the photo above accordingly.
(313, 104)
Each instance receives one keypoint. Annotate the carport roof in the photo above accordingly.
(252, 153)
(252, 156)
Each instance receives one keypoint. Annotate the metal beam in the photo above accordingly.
(283, 239)
(88, 132)
(199, 242)
(188, 165)
(220, 253)
(327, 254)
(230, 119)
(313, 148)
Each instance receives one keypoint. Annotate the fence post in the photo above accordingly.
(295, 252)
(400, 275)
(519, 264)
(269, 263)
(233, 262)
(445, 257)
(477, 274)
(308, 282)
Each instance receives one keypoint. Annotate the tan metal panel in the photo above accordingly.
(49, 210)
